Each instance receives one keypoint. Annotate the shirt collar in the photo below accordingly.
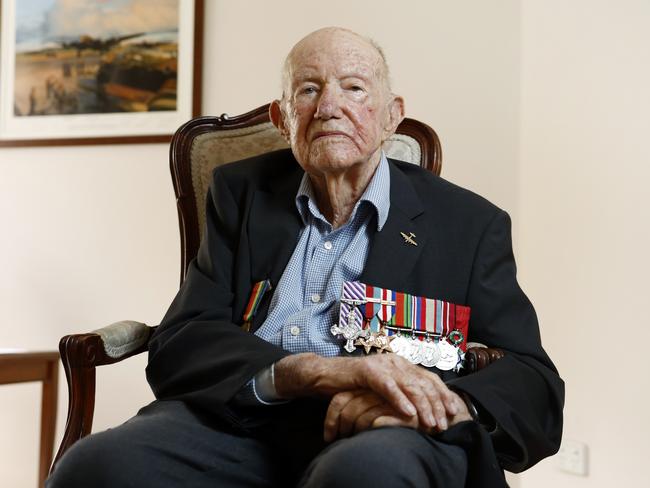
(377, 194)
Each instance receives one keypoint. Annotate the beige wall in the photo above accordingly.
(506, 110)
(584, 222)
(88, 237)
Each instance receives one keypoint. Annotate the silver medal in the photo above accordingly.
(399, 345)
(449, 356)
(430, 354)
(414, 351)
(350, 332)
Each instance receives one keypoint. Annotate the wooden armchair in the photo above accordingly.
(196, 149)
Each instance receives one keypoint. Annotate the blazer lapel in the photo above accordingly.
(391, 258)
(273, 227)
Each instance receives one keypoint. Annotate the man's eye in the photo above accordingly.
(356, 88)
(308, 90)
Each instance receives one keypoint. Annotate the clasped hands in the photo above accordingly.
(371, 391)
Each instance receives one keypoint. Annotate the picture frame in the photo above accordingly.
(92, 76)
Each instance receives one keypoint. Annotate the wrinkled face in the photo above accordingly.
(336, 108)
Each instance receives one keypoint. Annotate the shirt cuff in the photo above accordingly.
(264, 387)
(260, 390)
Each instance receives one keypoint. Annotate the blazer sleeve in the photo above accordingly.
(197, 354)
(522, 391)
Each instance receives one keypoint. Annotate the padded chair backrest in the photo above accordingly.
(204, 143)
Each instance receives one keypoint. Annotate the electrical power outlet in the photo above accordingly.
(573, 457)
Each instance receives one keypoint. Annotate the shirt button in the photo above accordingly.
(327, 245)
(315, 298)
(295, 330)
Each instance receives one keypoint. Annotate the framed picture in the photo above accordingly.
(100, 72)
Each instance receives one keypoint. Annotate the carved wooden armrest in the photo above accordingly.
(124, 339)
(107, 345)
(478, 356)
(80, 355)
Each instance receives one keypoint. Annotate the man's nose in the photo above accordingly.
(329, 103)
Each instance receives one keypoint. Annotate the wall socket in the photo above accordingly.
(573, 457)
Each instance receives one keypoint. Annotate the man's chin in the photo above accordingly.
(333, 161)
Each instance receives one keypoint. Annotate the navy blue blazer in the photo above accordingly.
(201, 355)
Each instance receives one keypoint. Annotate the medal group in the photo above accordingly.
(422, 330)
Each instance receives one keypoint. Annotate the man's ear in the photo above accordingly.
(277, 118)
(395, 116)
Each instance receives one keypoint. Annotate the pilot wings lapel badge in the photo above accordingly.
(409, 239)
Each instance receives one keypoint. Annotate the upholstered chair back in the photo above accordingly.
(207, 142)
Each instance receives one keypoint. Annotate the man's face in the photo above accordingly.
(337, 109)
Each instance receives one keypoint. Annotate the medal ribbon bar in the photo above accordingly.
(259, 289)
(401, 313)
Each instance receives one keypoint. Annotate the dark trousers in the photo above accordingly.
(169, 445)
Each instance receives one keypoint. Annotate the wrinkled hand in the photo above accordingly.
(410, 390)
(351, 412)
(392, 420)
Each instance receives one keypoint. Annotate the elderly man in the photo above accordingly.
(272, 398)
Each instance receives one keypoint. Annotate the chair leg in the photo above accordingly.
(48, 419)
(81, 393)
(80, 355)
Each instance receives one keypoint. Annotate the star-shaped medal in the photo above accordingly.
(366, 343)
(382, 341)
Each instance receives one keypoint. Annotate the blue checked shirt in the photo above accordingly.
(305, 303)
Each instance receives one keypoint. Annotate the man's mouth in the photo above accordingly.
(329, 133)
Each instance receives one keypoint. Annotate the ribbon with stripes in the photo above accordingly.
(405, 313)
(354, 294)
(259, 289)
